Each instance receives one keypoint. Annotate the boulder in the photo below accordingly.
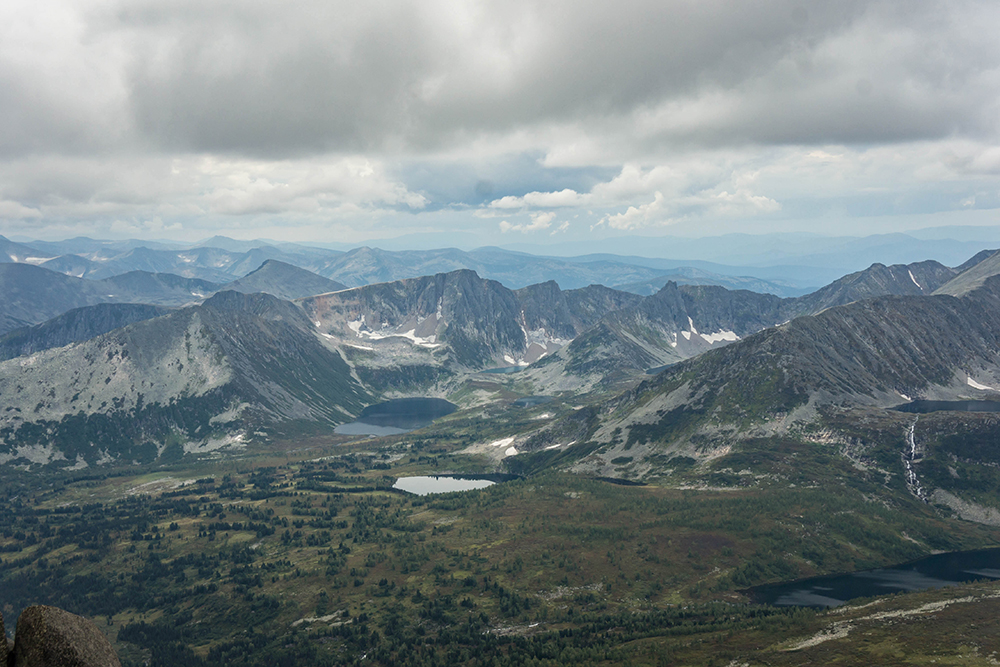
(50, 637)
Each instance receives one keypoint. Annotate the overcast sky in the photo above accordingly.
(495, 121)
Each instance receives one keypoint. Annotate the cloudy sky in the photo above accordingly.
(495, 122)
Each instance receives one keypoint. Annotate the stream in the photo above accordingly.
(910, 456)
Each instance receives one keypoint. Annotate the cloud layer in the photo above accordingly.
(216, 114)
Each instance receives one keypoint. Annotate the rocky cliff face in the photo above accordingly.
(473, 322)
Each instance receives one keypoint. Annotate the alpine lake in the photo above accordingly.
(400, 415)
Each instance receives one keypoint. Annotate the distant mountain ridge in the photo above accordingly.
(680, 322)
(284, 281)
(30, 295)
(871, 353)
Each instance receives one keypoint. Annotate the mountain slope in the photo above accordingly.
(30, 294)
(74, 326)
(284, 281)
(877, 280)
(876, 353)
(973, 277)
(200, 378)
(680, 322)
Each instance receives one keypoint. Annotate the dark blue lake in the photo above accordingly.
(400, 415)
(931, 572)
(957, 406)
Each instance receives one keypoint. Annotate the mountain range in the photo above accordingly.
(139, 377)
(221, 260)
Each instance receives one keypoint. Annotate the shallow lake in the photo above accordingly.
(531, 401)
(400, 415)
(957, 406)
(930, 572)
(423, 486)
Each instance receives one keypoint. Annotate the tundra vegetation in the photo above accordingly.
(303, 553)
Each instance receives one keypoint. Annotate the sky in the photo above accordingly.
(495, 122)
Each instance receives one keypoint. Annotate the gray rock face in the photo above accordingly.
(48, 636)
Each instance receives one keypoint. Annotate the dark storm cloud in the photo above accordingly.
(635, 114)
(309, 77)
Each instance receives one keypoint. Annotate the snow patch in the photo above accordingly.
(915, 280)
(503, 442)
(510, 451)
(719, 336)
(411, 335)
(982, 387)
(568, 444)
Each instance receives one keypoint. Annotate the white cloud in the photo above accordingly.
(636, 216)
(271, 114)
(539, 221)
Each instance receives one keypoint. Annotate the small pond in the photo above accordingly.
(930, 572)
(531, 401)
(958, 406)
(400, 415)
(423, 486)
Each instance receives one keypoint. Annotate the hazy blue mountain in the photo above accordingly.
(284, 281)
(801, 251)
(687, 275)
(30, 294)
(19, 252)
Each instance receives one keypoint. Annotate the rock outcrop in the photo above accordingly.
(49, 637)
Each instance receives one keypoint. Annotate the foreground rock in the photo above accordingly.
(48, 636)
